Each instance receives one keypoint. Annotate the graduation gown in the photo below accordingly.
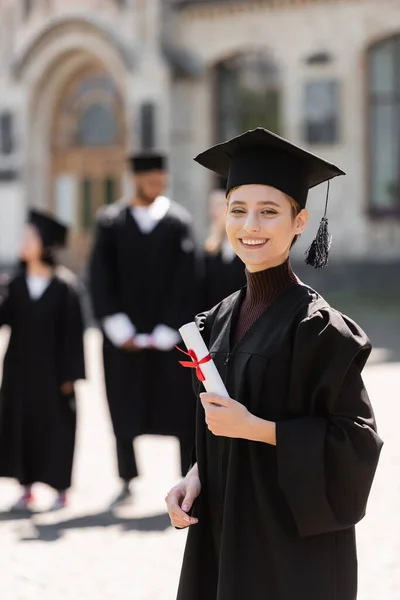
(221, 278)
(45, 350)
(277, 523)
(151, 277)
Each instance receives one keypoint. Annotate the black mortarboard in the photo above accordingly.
(52, 232)
(141, 163)
(262, 157)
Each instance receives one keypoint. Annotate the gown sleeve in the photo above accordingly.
(73, 359)
(328, 454)
(102, 271)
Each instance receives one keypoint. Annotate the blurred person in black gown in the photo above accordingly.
(143, 288)
(224, 272)
(43, 360)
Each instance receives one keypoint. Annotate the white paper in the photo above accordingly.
(194, 341)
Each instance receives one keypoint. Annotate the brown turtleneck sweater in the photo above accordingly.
(263, 288)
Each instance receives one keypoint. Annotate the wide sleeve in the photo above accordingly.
(73, 357)
(103, 284)
(328, 453)
(179, 303)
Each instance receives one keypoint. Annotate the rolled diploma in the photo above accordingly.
(194, 341)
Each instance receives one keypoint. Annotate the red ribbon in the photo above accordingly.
(195, 363)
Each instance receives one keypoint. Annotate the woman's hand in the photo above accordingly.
(225, 417)
(228, 418)
(181, 498)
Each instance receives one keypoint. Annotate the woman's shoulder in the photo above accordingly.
(328, 330)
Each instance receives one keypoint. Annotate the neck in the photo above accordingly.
(39, 269)
(264, 286)
(141, 201)
(271, 264)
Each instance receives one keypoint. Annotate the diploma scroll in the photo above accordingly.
(201, 360)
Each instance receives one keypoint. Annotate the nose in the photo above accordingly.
(252, 224)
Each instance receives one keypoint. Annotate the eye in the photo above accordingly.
(269, 211)
(237, 211)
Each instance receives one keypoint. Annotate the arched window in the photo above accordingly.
(247, 90)
(89, 114)
(384, 126)
(97, 126)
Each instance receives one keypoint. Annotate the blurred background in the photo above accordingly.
(86, 82)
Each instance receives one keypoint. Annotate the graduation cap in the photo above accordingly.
(262, 157)
(144, 162)
(52, 232)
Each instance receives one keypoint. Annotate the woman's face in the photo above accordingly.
(31, 246)
(260, 225)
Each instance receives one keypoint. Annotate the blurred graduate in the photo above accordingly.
(224, 272)
(44, 359)
(143, 287)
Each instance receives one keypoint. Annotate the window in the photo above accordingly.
(384, 126)
(6, 133)
(147, 125)
(110, 190)
(89, 113)
(321, 111)
(97, 126)
(247, 94)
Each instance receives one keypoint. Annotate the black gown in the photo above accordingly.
(152, 278)
(45, 350)
(277, 523)
(221, 278)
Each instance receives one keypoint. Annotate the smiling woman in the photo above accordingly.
(283, 468)
(262, 224)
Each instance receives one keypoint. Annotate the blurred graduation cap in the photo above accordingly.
(149, 161)
(261, 157)
(52, 232)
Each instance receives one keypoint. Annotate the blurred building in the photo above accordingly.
(85, 81)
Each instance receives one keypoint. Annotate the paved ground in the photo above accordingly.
(88, 553)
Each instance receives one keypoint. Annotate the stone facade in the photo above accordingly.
(164, 53)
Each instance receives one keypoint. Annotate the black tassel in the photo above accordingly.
(318, 253)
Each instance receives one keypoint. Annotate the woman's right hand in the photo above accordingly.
(180, 500)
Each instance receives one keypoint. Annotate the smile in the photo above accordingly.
(253, 242)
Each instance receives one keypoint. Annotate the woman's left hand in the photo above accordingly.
(225, 417)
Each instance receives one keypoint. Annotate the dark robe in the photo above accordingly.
(277, 523)
(151, 277)
(37, 421)
(221, 278)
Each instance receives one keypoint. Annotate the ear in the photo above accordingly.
(301, 221)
